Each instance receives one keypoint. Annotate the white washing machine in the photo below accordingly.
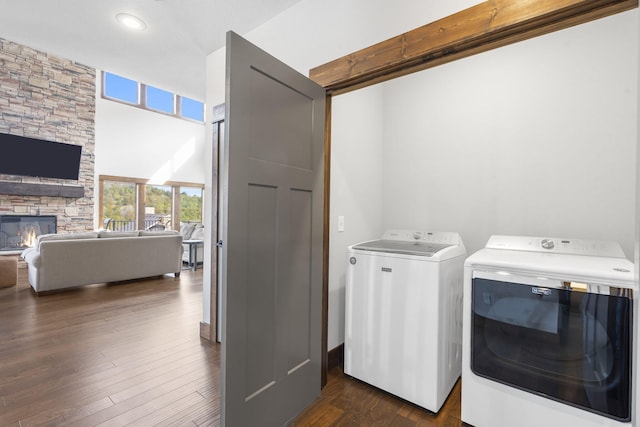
(548, 334)
(403, 319)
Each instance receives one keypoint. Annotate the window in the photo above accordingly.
(118, 206)
(157, 207)
(192, 109)
(161, 100)
(190, 204)
(120, 88)
(117, 88)
(163, 206)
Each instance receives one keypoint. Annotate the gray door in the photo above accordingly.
(272, 239)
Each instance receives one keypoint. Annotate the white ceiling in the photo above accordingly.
(169, 54)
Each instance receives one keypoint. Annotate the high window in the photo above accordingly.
(120, 88)
(192, 109)
(131, 92)
(160, 100)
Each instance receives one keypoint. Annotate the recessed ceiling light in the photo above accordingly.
(131, 21)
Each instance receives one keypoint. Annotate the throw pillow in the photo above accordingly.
(198, 234)
(186, 229)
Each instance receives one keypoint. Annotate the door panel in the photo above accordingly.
(280, 134)
(260, 303)
(299, 293)
(272, 257)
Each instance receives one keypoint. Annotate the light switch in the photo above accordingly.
(340, 223)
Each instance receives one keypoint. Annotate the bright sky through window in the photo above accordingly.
(191, 191)
(121, 88)
(161, 100)
(192, 109)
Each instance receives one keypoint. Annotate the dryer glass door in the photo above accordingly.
(563, 344)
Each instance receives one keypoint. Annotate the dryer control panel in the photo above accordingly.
(556, 245)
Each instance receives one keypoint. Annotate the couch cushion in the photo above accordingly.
(186, 229)
(32, 257)
(103, 234)
(198, 234)
(26, 251)
(71, 236)
(157, 233)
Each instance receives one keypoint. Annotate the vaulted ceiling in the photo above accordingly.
(170, 53)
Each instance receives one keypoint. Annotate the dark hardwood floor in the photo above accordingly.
(345, 401)
(130, 354)
(108, 355)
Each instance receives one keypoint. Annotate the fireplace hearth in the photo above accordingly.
(18, 232)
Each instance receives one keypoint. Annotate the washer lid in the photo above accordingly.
(403, 247)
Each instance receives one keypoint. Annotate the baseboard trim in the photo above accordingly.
(205, 331)
(335, 357)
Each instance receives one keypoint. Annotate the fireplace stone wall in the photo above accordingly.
(46, 97)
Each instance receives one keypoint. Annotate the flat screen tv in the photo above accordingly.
(36, 157)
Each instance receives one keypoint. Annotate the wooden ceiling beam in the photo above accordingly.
(486, 26)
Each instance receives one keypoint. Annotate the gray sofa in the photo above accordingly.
(192, 231)
(59, 261)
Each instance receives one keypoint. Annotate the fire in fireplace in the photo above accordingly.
(20, 231)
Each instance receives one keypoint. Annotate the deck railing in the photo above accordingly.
(124, 225)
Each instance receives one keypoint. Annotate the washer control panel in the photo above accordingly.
(443, 237)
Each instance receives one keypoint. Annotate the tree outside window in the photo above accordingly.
(190, 204)
(119, 201)
(157, 202)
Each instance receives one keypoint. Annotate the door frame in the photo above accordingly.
(480, 28)
(218, 120)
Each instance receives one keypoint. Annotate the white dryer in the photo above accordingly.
(548, 334)
(403, 319)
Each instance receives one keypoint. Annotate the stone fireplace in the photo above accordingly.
(50, 98)
(18, 232)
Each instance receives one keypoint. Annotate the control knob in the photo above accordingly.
(547, 244)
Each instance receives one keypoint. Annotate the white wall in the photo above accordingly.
(143, 144)
(537, 138)
(137, 143)
(552, 119)
(314, 32)
(356, 189)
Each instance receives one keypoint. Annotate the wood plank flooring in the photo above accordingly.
(130, 354)
(108, 355)
(345, 401)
